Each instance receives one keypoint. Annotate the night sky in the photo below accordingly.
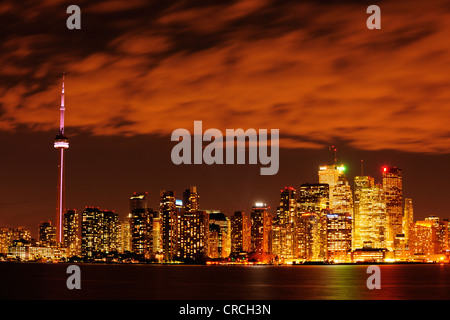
(137, 70)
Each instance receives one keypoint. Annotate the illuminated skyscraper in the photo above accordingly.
(313, 197)
(408, 218)
(191, 199)
(442, 234)
(138, 201)
(193, 231)
(169, 215)
(61, 143)
(311, 236)
(47, 234)
(423, 241)
(393, 189)
(329, 174)
(284, 226)
(125, 235)
(240, 232)
(142, 233)
(71, 235)
(223, 229)
(339, 236)
(99, 232)
(261, 230)
(369, 223)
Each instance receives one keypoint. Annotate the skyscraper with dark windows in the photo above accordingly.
(219, 222)
(138, 201)
(240, 232)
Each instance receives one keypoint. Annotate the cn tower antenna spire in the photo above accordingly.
(62, 108)
(61, 143)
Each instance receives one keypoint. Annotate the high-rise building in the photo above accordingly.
(313, 206)
(240, 232)
(219, 219)
(142, 232)
(284, 241)
(138, 201)
(393, 189)
(99, 232)
(442, 234)
(313, 197)
(339, 236)
(47, 234)
(71, 234)
(408, 218)
(124, 241)
(330, 174)
(311, 236)
(423, 241)
(169, 215)
(369, 223)
(193, 231)
(61, 143)
(191, 199)
(261, 230)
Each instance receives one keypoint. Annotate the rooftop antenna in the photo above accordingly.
(333, 158)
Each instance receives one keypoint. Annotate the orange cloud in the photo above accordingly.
(313, 71)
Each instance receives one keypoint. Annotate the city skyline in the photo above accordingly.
(136, 72)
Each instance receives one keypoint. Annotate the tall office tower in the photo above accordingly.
(61, 143)
(99, 232)
(193, 231)
(408, 218)
(142, 221)
(240, 232)
(369, 223)
(284, 241)
(313, 197)
(169, 215)
(138, 201)
(124, 242)
(47, 234)
(392, 185)
(311, 241)
(191, 199)
(261, 229)
(339, 236)
(313, 205)
(330, 173)
(71, 234)
(223, 232)
(423, 240)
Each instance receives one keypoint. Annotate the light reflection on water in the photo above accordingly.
(165, 282)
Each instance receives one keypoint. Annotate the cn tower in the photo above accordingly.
(61, 143)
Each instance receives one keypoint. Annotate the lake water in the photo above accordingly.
(175, 282)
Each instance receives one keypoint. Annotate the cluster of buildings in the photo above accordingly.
(329, 221)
